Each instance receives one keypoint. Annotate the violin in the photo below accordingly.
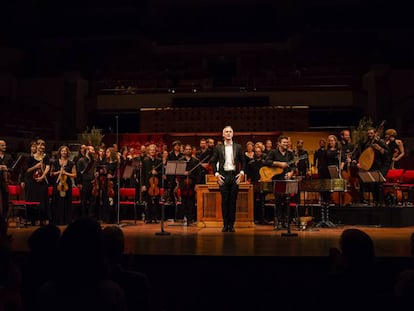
(153, 189)
(187, 188)
(95, 187)
(62, 186)
(177, 191)
(111, 192)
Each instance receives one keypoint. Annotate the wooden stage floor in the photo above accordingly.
(258, 240)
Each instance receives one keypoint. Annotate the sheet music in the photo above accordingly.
(175, 167)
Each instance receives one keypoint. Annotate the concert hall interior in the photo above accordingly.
(97, 94)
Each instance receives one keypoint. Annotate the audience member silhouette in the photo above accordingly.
(404, 283)
(10, 275)
(135, 284)
(39, 268)
(82, 276)
(352, 276)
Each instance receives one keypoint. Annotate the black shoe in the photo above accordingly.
(225, 229)
(231, 229)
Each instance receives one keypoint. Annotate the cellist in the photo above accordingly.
(192, 176)
(348, 167)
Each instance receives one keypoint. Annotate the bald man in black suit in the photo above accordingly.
(229, 172)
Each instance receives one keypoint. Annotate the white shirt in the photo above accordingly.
(229, 158)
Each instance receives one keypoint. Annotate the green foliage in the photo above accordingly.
(91, 136)
(359, 135)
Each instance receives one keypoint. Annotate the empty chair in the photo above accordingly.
(128, 198)
(16, 202)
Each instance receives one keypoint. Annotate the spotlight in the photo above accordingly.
(194, 90)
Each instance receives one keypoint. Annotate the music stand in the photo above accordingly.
(372, 177)
(286, 188)
(175, 168)
(129, 169)
(333, 171)
(172, 168)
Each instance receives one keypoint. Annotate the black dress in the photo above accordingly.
(62, 200)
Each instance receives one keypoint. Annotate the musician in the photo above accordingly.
(332, 157)
(204, 155)
(381, 163)
(6, 163)
(268, 146)
(38, 167)
(249, 153)
(62, 170)
(283, 158)
(88, 183)
(174, 155)
(348, 166)
(319, 159)
(231, 166)
(187, 183)
(22, 175)
(253, 174)
(125, 160)
(303, 163)
(395, 146)
(110, 190)
(152, 174)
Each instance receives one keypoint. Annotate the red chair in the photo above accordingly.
(16, 201)
(76, 196)
(394, 175)
(127, 197)
(406, 186)
(393, 183)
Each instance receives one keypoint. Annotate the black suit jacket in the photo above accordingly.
(219, 157)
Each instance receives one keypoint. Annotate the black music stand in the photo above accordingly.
(175, 168)
(172, 168)
(372, 177)
(129, 170)
(286, 188)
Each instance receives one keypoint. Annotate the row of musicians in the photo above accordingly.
(149, 178)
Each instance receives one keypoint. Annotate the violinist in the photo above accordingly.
(204, 154)
(174, 155)
(152, 179)
(5, 168)
(62, 170)
(110, 186)
(37, 169)
(88, 183)
(191, 177)
(381, 163)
